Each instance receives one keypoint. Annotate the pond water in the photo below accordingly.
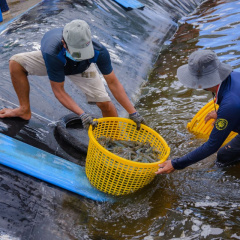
(199, 202)
(205, 201)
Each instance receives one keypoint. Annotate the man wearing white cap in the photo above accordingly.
(69, 51)
(205, 71)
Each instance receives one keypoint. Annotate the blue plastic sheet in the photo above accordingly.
(130, 4)
(50, 168)
(1, 18)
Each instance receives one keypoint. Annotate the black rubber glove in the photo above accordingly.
(137, 118)
(87, 120)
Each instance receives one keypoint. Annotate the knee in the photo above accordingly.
(223, 155)
(104, 106)
(15, 68)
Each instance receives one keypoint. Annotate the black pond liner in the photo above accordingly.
(71, 120)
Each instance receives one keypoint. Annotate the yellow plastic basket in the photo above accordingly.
(115, 175)
(198, 127)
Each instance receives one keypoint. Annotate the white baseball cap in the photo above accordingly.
(77, 36)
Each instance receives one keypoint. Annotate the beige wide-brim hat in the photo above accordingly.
(203, 70)
(77, 36)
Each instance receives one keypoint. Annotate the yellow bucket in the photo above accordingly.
(115, 175)
(198, 127)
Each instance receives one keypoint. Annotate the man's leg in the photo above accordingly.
(229, 154)
(108, 109)
(21, 87)
(93, 87)
(20, 65)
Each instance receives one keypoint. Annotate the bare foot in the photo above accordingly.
(16, 112)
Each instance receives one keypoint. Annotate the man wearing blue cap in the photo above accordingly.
(69, 51)
(205, 71)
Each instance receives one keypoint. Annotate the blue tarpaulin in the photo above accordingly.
(50, 168)
(130, 4)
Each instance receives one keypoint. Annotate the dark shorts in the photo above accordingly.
(230, 153)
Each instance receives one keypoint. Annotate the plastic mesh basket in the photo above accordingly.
(115, 175)
(201, 129)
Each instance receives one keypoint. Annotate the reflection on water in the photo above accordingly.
(208, 198)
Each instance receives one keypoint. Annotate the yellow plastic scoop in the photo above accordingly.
(201, 129)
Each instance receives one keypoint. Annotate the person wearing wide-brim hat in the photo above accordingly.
(70, 51)
(205, 71)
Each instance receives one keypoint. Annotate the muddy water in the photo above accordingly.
(200, 202)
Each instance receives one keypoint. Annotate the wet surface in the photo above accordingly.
(208, 204)
(129, 36)
(200, 202)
